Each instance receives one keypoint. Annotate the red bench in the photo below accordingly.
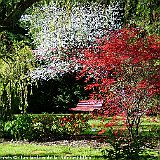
(88, 105)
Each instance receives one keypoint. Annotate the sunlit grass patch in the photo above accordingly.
(42, 150)
(36, 151)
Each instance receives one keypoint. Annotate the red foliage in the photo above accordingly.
(101, 131)
(124, 70)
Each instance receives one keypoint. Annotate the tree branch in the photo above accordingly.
(18, 10)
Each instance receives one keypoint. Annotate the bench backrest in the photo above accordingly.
(88, 105)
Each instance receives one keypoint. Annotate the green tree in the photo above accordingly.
(10, 13)
(16, 63)
(145, 13)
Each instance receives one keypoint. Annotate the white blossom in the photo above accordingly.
(56, 28)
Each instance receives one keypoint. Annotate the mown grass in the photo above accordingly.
(33, 151)
(54, 152)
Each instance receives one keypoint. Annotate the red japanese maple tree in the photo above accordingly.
(125, 69)
(123, 65)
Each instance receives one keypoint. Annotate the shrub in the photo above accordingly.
(19, 128)
(73, 124)
(45, 127)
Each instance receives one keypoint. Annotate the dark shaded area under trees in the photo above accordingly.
(56, 95)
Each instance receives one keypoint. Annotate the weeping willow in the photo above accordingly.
(16, 63)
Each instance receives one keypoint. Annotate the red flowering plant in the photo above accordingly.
(125, 73)
(73, 124)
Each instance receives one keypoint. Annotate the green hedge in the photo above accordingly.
(44, 126)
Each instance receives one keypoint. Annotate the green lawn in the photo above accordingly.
(33, 151)
(25, 151)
